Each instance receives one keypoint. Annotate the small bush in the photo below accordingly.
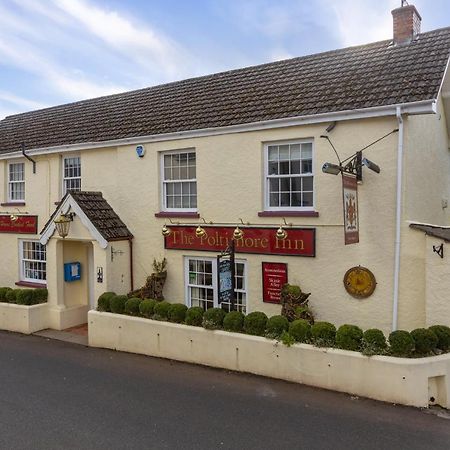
(300, 330)
(161, 310)
(177, 313)
(147, 307)
(291, 289)
(24, 297)
(3, 292)
(234, 321)
(374, 342)
(349, 337)
(40, 295)
(117, 304)
(401, 343)
(276, 326)
(287, 339)
(10, 295)
(103, 302)
(304, 312)
(194, 316)
(323, 334)
(425, 341)
(443, 334)
(213, 318)
(255, 323)
(132, 306)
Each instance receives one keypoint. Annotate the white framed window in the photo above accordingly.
(33, 262)
(16, 182)
(71, 174)
(289, 179)
(179, 180)
(201, 284)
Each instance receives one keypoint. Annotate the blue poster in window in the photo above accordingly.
(225, 280)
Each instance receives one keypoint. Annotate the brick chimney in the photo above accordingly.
(406, 24)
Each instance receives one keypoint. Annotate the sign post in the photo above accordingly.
(350, 203)
(226, 276)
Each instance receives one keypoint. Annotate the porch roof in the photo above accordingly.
(439, 232)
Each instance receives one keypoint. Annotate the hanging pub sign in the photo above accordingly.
(18, 224)
(225, 275)
(274, 275)
(350, 200)
(299, 241)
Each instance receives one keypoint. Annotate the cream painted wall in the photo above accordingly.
(77, 292)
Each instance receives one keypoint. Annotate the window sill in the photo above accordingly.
(288, 214)
(30, 284)
(13, 204)
(181, 214)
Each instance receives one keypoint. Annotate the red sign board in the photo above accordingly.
(22, 225)
(274, 275)
(350, 199)
(299, 241)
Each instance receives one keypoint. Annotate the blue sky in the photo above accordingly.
(58, 51)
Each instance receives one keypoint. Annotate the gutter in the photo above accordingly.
(398, 219)
(419, 107)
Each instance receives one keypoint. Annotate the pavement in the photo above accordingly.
(60, 395)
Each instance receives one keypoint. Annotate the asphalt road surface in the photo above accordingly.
(56, 395)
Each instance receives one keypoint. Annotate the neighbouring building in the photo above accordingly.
(245, 148)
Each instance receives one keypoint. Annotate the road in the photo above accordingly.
(57, 395)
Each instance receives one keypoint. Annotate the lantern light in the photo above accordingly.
(200, 231)
(281, 233)
(165, 231)
(62, 224)
(238, 233)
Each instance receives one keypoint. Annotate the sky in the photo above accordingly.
(59, 51)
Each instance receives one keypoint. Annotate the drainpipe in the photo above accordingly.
(130, 241)
(398, 219)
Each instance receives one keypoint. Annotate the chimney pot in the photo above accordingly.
(406, 24)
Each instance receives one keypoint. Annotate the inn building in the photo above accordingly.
(246, 149)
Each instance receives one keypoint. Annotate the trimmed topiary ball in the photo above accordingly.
(103, 302)
(349, 337)
(255, 323)
(3, 292)
(323, 334)
(425, 340)
(24, 297)
(234, 321)
(10, 295)
(276, 326)
(194, 316)
(442, 332)
(374, 342)
(132, 306)
(213, 318)
(40, 295)
(161, 310)
(147, 308)
(300, 330)
(401, 343)
(177, 313)
(117, 304)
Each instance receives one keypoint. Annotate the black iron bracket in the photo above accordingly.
(439, 249)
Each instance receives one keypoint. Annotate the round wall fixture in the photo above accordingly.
(360, 282)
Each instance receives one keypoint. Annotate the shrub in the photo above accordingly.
(255, 323)
(161, 310)
(177, 312)
(300, 330)
(304, 312)
(443, 334)
(349, 337)
(401, 342)
(194, 316)
(287, 339)
(147, 307)
(103, 302)
(323, 334)
(10, 295)
(213, 318)
(276, 326)
(24, 297)
(425, 341)
(40, 295)
(234, 321)
(3, 292)
(374, 342)
(132, 306)
(117, 304)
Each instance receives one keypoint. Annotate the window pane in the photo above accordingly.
(307, 151)
(307, 183)
(296, 199)
(273, 168)
(274, 199)
(295, 151)
(285, 184)
(273, 153)
(308, 199)
(296, 183)
(284, 152)
(284, 168)
(307, 166)
(295, 167)
(274, 184)
(284, 199)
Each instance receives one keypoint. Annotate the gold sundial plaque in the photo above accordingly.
(359, 282)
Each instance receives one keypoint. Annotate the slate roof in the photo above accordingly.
(100, 213)
(364, 76)
(432, 230)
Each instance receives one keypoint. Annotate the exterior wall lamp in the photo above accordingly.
(62, 224)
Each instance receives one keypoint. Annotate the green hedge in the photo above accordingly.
(443, 335)
(323, 334)
(234, 321)
(117, 304)
(23, 296)
(194, 316)
(103, 302)
(425, 340)
(373, 342)
(213, 318)
(132, 306)
(401, 343)
(276, 326)
(177, 313)
(255, 323)
(349, 337)
(161, 310)
(147, 307)
(300, 330)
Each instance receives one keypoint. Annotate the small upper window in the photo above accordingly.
(71, 174)
(16, 182)
(179, 180)
(289, 175)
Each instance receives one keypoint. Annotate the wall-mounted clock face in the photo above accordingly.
(359, 282)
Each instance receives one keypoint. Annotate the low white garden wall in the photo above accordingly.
(23, 319)
(396, 380)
